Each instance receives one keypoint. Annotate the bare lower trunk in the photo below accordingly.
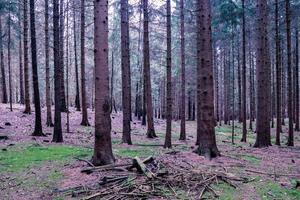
(9, 59)
(289, 75)
(61, 55)
(57, 134)
(48, 89)
(125, 59)
(297, 127)
(168, 138)
(4, 91)
(38, 131)
(182, 46)
(21, 70)
(77, 98)
(26, 60)
(103, 148)
(147, 78)
(244, 99)
(263, 75)
(84, 121)
(205, 86)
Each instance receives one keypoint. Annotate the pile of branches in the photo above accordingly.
(149, 179)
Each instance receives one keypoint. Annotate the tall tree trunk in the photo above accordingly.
(182, 46)
(239, 85)
(84, 121)
(297, 127)
(205, 86)
(61, 55)
(278, 76)
(244, 102)
(26, 59)
(67, 68)
(77, 98)
(125, 59)
(263, 75)
(103, 148)
(168, 138)
(57, 135)
(48, 89)
(289, 75)
(147, 79)
(9, 59)
(38, 131)
(21, 70)
(4, 91)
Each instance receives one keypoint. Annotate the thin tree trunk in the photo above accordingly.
(182, 46)
(168, 138)
(67, 69)
(9, 59)
(289, 75)
(21, 70)
(84, 121)
(26, 59)
(263, 75)
(125, 59)
(205, 89)
(147, 78)
(57, 135)
(278, 76)
(48, 89)
(297, 127)
(38, 131)
(77, 98)
(4, 91)
(244, 102)
(103, 148)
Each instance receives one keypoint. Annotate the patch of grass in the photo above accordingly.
(55, 175)
(20, 157)
(251, 159)
(270, 190)
(131, 153)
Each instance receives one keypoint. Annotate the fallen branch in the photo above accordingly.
(271, 174)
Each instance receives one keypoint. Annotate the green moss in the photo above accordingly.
(270, 190)
(20, 157)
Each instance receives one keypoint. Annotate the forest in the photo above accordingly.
(149, 99)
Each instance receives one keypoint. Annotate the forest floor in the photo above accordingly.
(35, 168)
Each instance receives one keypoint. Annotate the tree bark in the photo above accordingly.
(278, 76)
(182, 46)
(125, 61)
(244, 102)
(84, 121)
(38, 131)
(290, 79)
(57, 135)
(103, 148)
(205, 86)
(77, 98)
(297, 127)
(147, 78)
(4, 91)
(21, 70)
(9, 59)
(263, 76)
(168, 138)
(61, 55)
(26, 59)
(48, 89)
